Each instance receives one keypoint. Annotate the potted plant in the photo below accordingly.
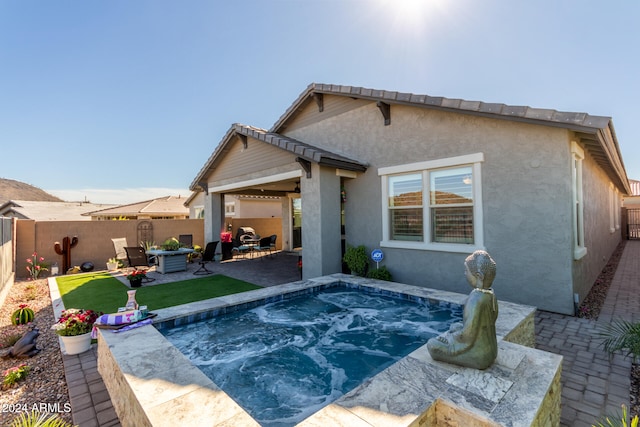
(74, 329)
(135, 278)
(113, 264)
(357, 260)
(171, 244)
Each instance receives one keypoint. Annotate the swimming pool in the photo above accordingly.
(285, 360)
(151, 383)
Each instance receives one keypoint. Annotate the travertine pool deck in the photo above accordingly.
(152, 384)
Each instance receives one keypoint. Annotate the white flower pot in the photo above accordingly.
(112, 266)
(76, 344)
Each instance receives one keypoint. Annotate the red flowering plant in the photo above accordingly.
(75, 321)
(36, 266)
(14, 374)
(137, 274)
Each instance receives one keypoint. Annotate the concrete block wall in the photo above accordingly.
(94, 239)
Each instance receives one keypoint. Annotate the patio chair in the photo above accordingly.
(265, 245)
(207, 256)
(273, 238)
(119, 244)
(239, 248)
(186, 240)
(136, 256)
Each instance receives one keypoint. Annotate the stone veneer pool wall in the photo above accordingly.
(151, 383)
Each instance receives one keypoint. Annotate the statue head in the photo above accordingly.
(480, 269)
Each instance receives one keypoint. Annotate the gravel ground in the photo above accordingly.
(46, 384)
(45, 388)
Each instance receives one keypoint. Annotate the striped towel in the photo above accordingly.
(121, 318)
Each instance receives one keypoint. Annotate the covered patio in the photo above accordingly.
(308, 180)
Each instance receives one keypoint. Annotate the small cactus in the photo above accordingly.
(22, 316)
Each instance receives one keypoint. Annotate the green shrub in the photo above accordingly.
(42, 419)
(356, 259)
(618, 420)
(381, 273)
(622, 335)
(15, 374)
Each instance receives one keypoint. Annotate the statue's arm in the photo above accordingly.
(472, 318)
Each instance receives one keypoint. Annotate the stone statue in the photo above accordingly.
(24, 347)
(473, 342)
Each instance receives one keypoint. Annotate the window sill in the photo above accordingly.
(435, 247)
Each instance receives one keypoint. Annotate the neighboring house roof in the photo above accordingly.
(163, 206)
(301, 149)
(595, 132)
(48, 211)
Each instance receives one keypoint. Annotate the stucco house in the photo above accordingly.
(428, 180)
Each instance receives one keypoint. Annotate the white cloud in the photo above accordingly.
(118, 196)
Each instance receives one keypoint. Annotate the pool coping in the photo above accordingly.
(151, 383)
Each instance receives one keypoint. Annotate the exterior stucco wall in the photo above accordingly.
(257, 208)
(526, 187)
(321, 222)
(197, 203)
(600, 240)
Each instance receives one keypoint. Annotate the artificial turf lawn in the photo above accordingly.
(102, 292)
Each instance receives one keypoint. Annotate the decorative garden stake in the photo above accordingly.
(65, 251)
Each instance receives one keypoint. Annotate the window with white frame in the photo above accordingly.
(405, 207)
(617, 209)
(612, 208)
(198, 212)
(577, 157)
(433, 205)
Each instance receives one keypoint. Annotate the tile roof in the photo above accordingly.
(595, 132)
(169, 205)
(299, 148)
(576, 121)
(49, 211)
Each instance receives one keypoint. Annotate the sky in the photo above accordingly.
(120, 101)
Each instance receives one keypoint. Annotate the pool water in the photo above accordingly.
(285, 360)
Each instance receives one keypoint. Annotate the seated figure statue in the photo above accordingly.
(473, 342)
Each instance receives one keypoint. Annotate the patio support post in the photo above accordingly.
(321, 222)
(213, 217)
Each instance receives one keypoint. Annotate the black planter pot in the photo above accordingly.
(135, 283)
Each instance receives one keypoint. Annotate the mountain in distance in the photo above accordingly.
(16, 190)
